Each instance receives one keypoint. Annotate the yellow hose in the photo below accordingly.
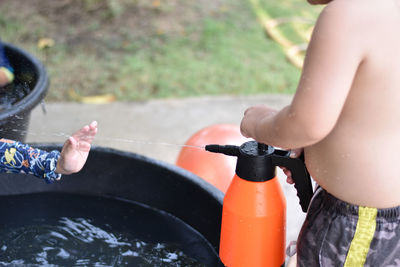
(293, 52)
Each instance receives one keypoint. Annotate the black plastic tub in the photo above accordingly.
(130, 177)
(30, 72)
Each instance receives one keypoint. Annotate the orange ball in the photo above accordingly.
(217, 169)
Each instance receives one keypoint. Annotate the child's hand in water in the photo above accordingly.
(76, 150)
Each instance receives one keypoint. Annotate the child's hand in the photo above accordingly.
(252, 116)
(294, 153)
(6, 76)
(76, 150)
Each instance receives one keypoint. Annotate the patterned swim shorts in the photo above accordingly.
(336, 233)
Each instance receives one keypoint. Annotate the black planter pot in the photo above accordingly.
(133, 177)
(28, 71)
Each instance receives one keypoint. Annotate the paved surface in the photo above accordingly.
(155, 128)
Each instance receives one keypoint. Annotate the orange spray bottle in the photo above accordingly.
(254, 209)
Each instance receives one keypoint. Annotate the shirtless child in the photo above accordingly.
(19, 157)
(346, 116)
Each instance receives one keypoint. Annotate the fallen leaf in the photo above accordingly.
(96, 99)
(45, 43)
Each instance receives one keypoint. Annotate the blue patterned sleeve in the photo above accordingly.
(18, 157)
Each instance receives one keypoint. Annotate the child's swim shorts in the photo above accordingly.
(336, 233)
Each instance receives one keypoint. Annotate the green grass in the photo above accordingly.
(224, 61)
(224, 51)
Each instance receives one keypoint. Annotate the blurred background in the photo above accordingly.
(132, 50)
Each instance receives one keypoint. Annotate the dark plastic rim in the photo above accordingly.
(157, 184)
(37, 93)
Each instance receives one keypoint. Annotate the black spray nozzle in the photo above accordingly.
(227, 150)
(257, 162)
(262, 147)
(253, 162)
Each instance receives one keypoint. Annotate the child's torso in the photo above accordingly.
(359, 161)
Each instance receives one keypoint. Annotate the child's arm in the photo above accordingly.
(333, 57)
(18, 157)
